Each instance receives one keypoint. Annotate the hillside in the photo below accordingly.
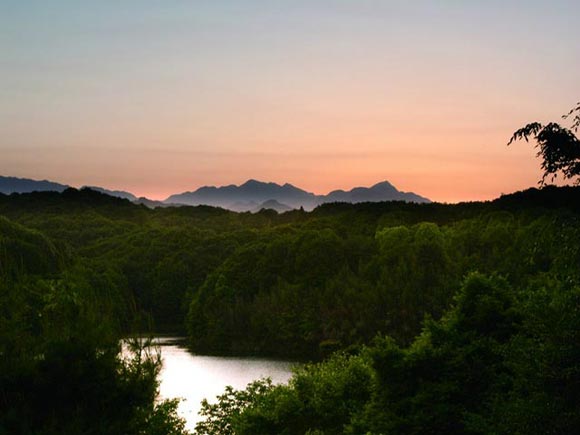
(422, 291)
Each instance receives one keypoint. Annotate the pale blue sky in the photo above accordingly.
(163, 96)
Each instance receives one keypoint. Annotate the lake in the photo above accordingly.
(195, 377)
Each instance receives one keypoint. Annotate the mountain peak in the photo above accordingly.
(253, 184)
(257, 192)
(383, 184)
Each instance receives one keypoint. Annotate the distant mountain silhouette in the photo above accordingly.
(383, 191)
(10, 185)
(252, 194)
(248, 195)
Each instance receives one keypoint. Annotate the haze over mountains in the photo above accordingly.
(251, 196)
(253, 193)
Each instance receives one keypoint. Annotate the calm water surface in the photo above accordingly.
(195, 377)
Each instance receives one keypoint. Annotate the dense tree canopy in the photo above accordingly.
(475, 307)
(61, 366)
(501, 360)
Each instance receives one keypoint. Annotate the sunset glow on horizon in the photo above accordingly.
(158, 98)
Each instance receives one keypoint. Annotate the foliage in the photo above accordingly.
(60, 366)
(295, 284)
(320, 398)
(275, 296)
(493, 353)
(499, 361)
(559, 147)
(220, 417)
(164, 420)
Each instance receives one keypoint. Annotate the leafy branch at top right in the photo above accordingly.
(558, 146)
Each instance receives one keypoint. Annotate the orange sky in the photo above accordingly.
(162, 97)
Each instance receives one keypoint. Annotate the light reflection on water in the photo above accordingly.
(195, 377)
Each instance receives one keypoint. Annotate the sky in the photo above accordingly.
(164, 96)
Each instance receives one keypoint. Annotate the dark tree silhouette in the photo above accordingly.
(559, 147)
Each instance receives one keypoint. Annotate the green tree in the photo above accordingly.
(558, 146)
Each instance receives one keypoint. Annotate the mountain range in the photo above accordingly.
(250, 196)
(252, 193)
(10, 185)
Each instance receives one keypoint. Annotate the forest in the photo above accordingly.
(413, 318)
